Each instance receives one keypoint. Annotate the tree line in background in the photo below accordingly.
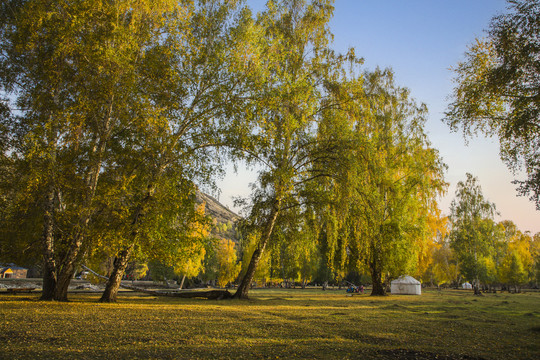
(114, 113)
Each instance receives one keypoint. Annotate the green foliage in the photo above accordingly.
(249, 245)
(77, 73)
(473, 230)
(535, 253)
(210, 265)
(497, 90)
(293, 251)
(515, 256)
(125, 107)
(442, 263)
(160, 271)
(228, 267)
(117, 101)
(136, 270)
(444, 269)
(512, 270)
(187, 249)
(387, 178)
(288, 92)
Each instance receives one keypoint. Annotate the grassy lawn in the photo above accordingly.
(273, 324)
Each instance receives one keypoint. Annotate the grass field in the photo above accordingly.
(307, 324)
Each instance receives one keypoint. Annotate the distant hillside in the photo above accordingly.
(224, 219)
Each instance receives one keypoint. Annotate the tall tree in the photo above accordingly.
(434, 259)
(193, 79)
(515, 263)
(498, 91)
(472, 229)
(390, 182)
(292, 58)
(76, 70)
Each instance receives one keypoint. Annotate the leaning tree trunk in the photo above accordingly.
(245, 284)
(69, 263)
(113, 283)
(47, 240)
(68, 267)
(121, 261)
(182, 282)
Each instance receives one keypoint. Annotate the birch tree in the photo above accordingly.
(472, 228)
(194, 81)
(292, 58)
(388, 179)
(497, 91)
(72, 68)
(130, 89)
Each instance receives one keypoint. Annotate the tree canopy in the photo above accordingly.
(388, 179)
(114, 115)
(497, 91)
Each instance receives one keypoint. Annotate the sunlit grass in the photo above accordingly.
(274, 324)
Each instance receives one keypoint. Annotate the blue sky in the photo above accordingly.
(421, 40)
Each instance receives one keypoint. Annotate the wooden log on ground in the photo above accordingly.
(20, 290)
(208, 294)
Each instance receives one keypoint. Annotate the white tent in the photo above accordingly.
(466, 285)
(406, 285)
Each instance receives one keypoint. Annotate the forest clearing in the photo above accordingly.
(274, 323)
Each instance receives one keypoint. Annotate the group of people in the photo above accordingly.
(355, 289)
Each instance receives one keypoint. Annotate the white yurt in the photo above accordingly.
(466, 285)
(406, 285)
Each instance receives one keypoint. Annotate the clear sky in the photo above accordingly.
(420, 40)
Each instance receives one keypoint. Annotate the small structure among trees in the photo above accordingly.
(405, 285)
(12, 271)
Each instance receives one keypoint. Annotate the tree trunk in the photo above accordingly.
(67, 270)
(182, 282)
(121, 260)
(245, 284)
(68, 265)
(113, 284)
(476, 287)
(47, 240)
(376, 277)
(64, 279)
